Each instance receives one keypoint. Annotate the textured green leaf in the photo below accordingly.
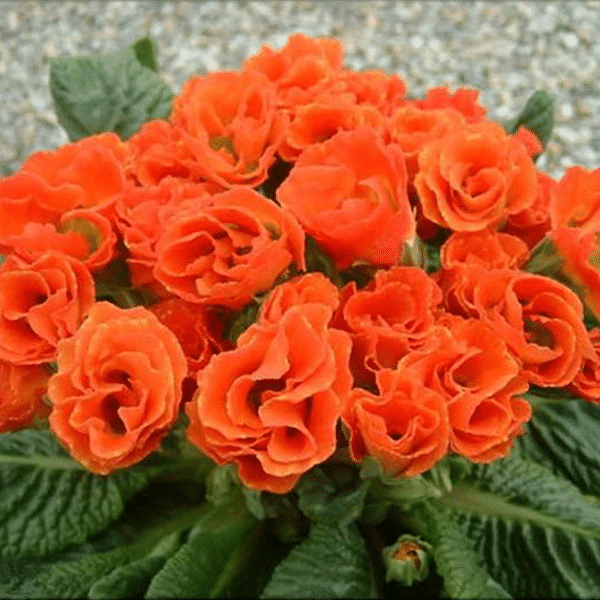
(110, 92)
(321, 501)
(333, 562)
(208, 560)
(133, 579)
(145, 52)
(537, 116)
(535, 532)
(72, 579)
(563, 436)
(48, 501)
(456, 560)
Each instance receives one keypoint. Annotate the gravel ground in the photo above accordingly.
(505, 49)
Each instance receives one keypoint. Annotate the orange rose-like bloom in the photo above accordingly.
(350, 194)
(540, 319)
(231, 125)
(532, 224)
(405, 427)
(464, 100)
(587, 381)
(41, 303)
(390, 317)
(303, 68)
(474, 370)
(227, 248)
(575, 200)
(269, 405)
(473, 177)
(304, 289)
(197, 329)
(22, 388)
(118, 387)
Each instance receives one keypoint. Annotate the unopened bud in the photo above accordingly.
(407, 560)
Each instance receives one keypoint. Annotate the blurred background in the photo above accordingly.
(505, 49)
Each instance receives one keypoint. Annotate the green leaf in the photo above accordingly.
(535, 532)
(563, 436)
(133, 579)
(48, 501)
(456, 560)
(333, 562)
(318, 260)
(72, 579)
(210, 558)
(537, 116)
(321, 501)
(145, 52)
(110, 92)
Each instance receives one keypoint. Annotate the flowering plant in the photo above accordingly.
(294, 333)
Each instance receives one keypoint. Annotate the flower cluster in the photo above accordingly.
(274, 229)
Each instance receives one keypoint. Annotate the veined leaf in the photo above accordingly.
(110, 92)
(563, 436)
(204, 565)
(333, 562)
(536, 534)
(537, 116)
(48, 501)
(456, 561)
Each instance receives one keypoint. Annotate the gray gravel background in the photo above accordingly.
(505, 49)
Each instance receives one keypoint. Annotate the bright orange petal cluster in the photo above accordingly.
(262, 261)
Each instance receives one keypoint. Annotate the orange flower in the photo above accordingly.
(40, 304)
(467, 254)
(350, 194)
(197, 328)
(411, 128)
(303, 68)
(304, 289)
(464, 100)
(587, 381)
(487, 249)
(227, 248)
(118, 387)
(473, 177)
(374, 88)
(88, 173)
(541, 321)
(532, 224)
(269, 405)
(473, 369)
(231, 124)
(391, 316)
(575, 200)
(141, 215)
(22, 388)
(321, 119)
(405, 427)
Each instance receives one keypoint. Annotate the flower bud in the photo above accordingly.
(407, 560)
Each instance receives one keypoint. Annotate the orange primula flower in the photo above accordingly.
(474, 177)
(463, 100)
(388, 318)
(350, 194)
(540, 319)
(270, 406)
(303, 68)
(118, 388)
(41, 303)
(231, 124)
(224, 249)
(474, 370)
(532, 224)
(405, 426)
(586, 383)
(22, 390)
